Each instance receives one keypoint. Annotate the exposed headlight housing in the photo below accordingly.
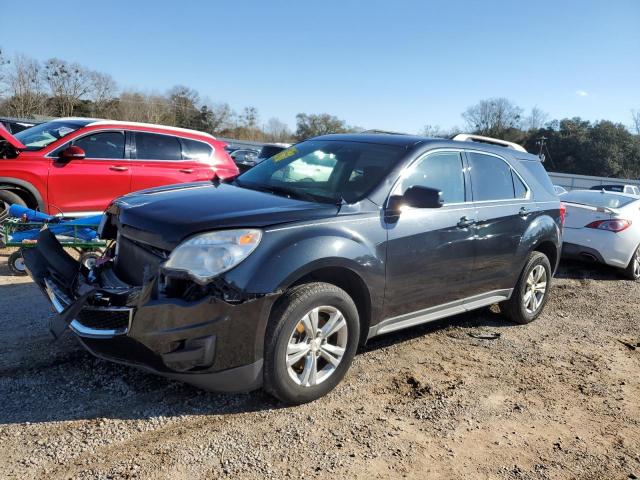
(207, 255)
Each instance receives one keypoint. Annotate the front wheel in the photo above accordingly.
(531, 292)
(311, 340)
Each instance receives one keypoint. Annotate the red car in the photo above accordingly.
(77, 166)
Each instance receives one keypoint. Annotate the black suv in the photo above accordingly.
(273, 279)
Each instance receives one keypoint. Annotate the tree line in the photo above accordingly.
(57, 88)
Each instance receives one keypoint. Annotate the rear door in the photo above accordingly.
(162, 159)
(90, 184)
(503, 211)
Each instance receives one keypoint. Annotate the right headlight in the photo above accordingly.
(207, 255)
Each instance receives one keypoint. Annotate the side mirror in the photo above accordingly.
(72, 153)
(417, 197)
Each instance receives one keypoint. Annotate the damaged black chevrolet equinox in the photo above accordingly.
(275, 278)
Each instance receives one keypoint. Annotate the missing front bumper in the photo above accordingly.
(200, 342)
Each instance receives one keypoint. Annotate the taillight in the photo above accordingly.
(616, 225)
(563, 213)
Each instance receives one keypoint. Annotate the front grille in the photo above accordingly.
(105, 319)
(135, 262)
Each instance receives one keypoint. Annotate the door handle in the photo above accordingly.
(524, 212)
(118, 168)
(186, 170)
(466, 222)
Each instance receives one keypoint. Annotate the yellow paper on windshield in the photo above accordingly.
(284, 154)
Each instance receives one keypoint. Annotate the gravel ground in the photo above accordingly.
(559, 398)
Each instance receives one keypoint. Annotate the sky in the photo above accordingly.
(376, 64)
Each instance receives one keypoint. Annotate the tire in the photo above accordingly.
(521, 308)
(88, 259)
(632, 272)
(288, 339)
(7, 198)
(16, 264)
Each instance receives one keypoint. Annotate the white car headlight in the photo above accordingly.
(207, 255)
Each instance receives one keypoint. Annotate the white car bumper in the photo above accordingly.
(614, 249)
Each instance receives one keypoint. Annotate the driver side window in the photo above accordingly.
(442, 170)
(102, 145)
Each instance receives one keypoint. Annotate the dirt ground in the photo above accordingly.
(559, 398)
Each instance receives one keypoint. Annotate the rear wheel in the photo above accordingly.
(16, 264)
(311, 340)
(632, 272)
(532, 290)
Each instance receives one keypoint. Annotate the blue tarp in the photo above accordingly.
(60, 228)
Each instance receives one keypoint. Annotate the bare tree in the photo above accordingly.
(25, 89)
(220, 118)
(3, 74)
(277, 131)
(493, 117)
(68, 84)
(102, 93)
(433, 131)
(635, 116)
(535, 120)
(139, 107)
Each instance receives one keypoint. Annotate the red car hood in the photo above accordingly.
(13, 141)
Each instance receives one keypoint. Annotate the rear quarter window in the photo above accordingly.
(195, 150)
(536, 169)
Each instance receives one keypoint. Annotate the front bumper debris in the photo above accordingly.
(208, 342)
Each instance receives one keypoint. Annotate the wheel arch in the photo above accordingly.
(349, 281)
(543, 235)
(27, 191)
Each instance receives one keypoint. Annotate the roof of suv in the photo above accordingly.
(92, 122)
(406, 140)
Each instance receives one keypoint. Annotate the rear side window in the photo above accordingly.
(442, 170)
(102, 145)
(194, 150)
(491, 178)
(153, 146)
(535, 168)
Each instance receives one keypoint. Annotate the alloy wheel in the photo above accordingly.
(535, 289)
(316, 346)
(636, 264)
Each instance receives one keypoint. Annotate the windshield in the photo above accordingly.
(325, 171)
(597, 199)
(38, 137)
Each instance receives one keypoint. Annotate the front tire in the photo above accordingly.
(531, 292)
(311, 340)
(8, 198)
(632, 272)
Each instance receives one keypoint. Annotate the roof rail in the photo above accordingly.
(466, 137)
(382, 132)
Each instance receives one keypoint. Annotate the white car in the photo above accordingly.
(560, 190)
(603, 227)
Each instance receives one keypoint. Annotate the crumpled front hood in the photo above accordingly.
(165, 216)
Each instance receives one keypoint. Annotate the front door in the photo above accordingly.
(430, 252)
(90, 184)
